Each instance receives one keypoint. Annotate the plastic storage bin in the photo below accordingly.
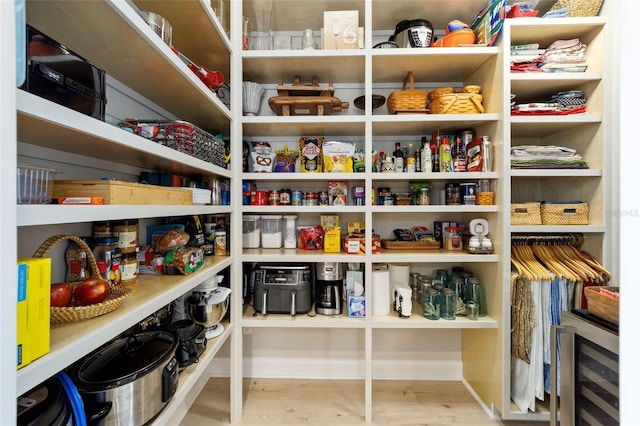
(272, 231)
(35, 184)
(251, 230)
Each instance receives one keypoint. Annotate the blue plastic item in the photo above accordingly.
(77, 405)
(21, 43)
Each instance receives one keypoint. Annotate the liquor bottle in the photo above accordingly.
(426, 156)
(445, 155)
(418, 157)
(435, 149)
(398, 158)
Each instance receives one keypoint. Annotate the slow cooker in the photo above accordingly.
(413, 33)
(129, 380)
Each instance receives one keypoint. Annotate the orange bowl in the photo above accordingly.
(456, 38)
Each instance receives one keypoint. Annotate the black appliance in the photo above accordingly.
(46, 404)
(282, 288)
(589, 370)
(59, 75)
(329, 287)
(192, 341)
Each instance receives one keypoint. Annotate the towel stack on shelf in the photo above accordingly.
(546, 157)
(560, 56)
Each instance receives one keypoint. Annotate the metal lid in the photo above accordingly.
(124, 360)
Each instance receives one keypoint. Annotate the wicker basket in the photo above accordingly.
(407, 100)
(467, 100)
(75, 313)
(484, 198)
(565, 214)
(577, 8)
(601, 305)
(525, 214)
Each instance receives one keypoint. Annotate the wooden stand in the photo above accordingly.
(305, 99)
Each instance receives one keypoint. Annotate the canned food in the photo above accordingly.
(452, 193)
(323, 198)
(296, 198)
(468, 193)
(274, 197)
(285, 197)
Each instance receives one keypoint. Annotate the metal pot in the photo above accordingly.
(129, 380)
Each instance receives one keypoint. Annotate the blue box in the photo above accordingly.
(356, 305)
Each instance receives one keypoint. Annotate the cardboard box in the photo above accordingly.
(353, 245)
(123, 193)
(356, 305)
(329, 220)
(332, 240)
(33, 319)
(340, 30)
(338, 192)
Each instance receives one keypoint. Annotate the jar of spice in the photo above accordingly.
(452, 239)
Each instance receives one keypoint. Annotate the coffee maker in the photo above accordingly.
(328, 288)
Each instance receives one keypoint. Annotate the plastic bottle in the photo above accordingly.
(445, 156)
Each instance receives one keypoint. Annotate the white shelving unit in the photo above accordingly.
(130, 52)
(587, 133)
(377, 70)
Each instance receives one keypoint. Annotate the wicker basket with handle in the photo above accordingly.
(407, 100)
(467, 100)
(75, 313)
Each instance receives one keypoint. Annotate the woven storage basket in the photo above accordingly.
(484, 198)
(565, 214)
(75, 313)
(577, 8)
(466, 101)
(601, 305)
(407, 100)
(525, 214)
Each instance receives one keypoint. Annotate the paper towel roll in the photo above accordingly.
(380, 284)
(398, 273)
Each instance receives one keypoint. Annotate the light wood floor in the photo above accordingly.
(323, 402)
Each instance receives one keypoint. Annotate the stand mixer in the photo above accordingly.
(208, 304)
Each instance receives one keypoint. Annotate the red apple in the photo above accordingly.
(91, 291)
(60, 295)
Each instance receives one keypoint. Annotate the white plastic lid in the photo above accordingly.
(272, 217)
(250, 217)
(290, 216)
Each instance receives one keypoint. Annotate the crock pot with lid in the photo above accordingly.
(130, 379)
(413, 33)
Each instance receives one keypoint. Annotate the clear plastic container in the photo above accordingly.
(35, 184)
(271, 231)
(251, 230)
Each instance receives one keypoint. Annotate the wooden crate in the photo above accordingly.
(123, 193)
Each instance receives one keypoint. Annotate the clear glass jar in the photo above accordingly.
(431, 304)
(478, 296)
(448, 303)
(76, 259)
(424, 197)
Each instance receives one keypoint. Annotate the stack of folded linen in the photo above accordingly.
(546, 157)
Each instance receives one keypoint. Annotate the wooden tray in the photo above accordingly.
(123, 193)
(410, 245)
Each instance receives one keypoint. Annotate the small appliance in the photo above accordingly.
(279, 288)
(413, 33)
(329, 288)
(59, 75)
(208, 304)
(402, 302)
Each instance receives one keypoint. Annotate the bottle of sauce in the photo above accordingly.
(398, 156)
(445, 156)
(426, 156)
